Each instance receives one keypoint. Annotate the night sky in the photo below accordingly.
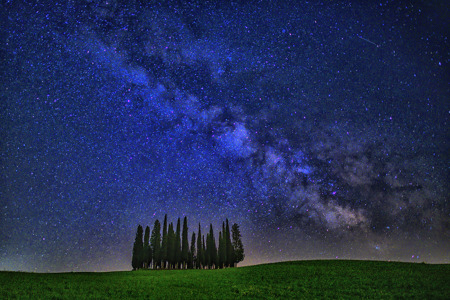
(321, 129)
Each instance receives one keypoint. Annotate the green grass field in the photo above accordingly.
(300, 279)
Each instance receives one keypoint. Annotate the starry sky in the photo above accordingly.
(321, 128)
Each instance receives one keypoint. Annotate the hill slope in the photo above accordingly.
(305, 279)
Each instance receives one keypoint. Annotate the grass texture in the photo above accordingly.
(329, 279)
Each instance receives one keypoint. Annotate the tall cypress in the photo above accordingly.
(208, 251)
(238, 247)
(220, 256)
(185, 244)
(164, 256)
(229, 246)
(155, 242)
(213, 248)
(138, 247)
(171, 241)
(178, 245)
(146, 247)
(204, 252)
(224, 244)
(193, 256)
(199, 248)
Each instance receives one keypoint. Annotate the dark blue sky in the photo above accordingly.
(322, 129)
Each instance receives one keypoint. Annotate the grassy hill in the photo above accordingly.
(299, 279)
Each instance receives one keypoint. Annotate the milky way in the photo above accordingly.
(321, 129)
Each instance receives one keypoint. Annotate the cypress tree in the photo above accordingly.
(178, 245)
(146, 248)
(171, 241)
(213, 248)
(199, 248)
(220, 256)
(229, 246)
(149, 256)
(208, 251)
(224, 245)
(238, 248)
(164, 244)
(185, 244)
(193, 257)
(155, 242)
(138, 247)
(204, 252)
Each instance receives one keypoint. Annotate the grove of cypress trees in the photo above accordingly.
(138, 250)
(171, 249)
(184, 245)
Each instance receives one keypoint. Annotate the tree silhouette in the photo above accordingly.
(238, 247)
(178, 245)
(221, 251)
(208, 251)
(138, 247)
(212, 248)
(171, 246)
(193, 256)
(199, 248)
(184, 245)
(224, 245)
(155, 242)
(229, 247)
(204, 257)
(147, 252)
(164, 244)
